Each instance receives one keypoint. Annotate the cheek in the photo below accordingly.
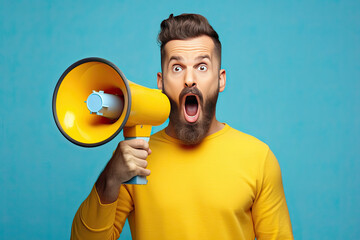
(172, 90)
(208, 87)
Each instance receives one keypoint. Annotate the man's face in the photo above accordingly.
(191, 79)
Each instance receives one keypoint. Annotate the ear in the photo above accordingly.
(222, 80)
(159, 81)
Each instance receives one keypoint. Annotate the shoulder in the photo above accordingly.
(245, 139)
(240, 146)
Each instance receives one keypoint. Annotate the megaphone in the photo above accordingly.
(93, 101)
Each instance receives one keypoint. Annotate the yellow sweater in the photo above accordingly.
(228, 187)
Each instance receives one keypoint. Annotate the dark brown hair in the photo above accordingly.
(186, 26)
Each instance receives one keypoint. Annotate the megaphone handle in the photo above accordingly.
(140, 180)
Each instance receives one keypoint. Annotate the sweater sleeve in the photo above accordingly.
(95, 220)
(269, 211)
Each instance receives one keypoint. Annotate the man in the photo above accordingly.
(208, 180)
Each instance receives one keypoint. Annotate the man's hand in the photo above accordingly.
(129, 160)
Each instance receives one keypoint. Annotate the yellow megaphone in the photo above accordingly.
(93, 101)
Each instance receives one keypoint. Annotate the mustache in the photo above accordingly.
(193, 90)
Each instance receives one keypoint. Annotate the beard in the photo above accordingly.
(193, 133)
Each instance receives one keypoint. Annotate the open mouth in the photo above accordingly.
(191, 108)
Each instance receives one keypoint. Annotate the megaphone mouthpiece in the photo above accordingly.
(104, 104)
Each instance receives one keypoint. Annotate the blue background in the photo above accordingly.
(293, 78)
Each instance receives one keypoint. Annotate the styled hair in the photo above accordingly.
(187, 26)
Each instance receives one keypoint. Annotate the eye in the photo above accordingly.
(177, 68)
(202, 68)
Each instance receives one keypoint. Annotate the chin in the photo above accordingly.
(191, 133)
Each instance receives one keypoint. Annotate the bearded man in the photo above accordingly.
(208, 180)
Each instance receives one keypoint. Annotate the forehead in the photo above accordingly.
(190, 48)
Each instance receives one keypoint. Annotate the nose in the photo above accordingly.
(190, 80)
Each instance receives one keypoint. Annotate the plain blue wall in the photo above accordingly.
(293, 71)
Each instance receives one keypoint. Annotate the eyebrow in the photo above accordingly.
(176, 58)
(179, 58)
(202, 57)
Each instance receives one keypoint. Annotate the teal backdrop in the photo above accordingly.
(293, 78)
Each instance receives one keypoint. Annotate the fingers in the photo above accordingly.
(130, 158)
(129, 147)
(143, 172)
(141, 163)
(138, 144)
(138, 166)
(139, 153)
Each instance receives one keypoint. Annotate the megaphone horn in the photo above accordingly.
(93, 101)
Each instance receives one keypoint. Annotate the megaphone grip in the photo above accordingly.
(139, 180)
